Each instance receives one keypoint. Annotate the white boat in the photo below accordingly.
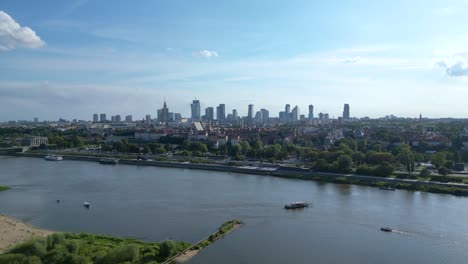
(86, 204)
(53, 157)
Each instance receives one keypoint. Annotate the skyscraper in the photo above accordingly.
(221, 112)
(128, 118)
(148, 118)
(209, 114)
(95, 118)
(163, 114)
(118, 118)
(250, 114)
(102, 118)
(196, 110)
(287, 109)
(295, 113)
(265, 115)
(346, 111)
(234, 114)
(258, 117)
(311, 112)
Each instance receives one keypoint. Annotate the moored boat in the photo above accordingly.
(296, 205)
(387, 188)
(53, 158)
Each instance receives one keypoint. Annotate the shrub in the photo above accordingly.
(424, 173)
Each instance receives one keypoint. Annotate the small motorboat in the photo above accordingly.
(58, 201)
(386, 229)
(86, 204)
(296, 205)
(387, 188)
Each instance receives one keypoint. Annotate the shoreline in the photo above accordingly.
(457, 189)
(14, 231)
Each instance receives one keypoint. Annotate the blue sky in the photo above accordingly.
(74, 58)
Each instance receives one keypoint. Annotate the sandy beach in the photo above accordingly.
(13, 232)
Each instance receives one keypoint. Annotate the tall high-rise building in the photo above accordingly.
(320, 115)
(163, 114)
(148, 118)
(128, 118)
(258, 117)
(113, 119)
(95, 118)
(36, 119)
(265, 115)
(118, 118)
(346, 111)
(287, 109)
(209, 114)
(177, 117)
(250, 113)
(221, 112)
(326, 116)
(234, 114)
(196, 110)
(295, 113)
(102, 118)
(311, 112)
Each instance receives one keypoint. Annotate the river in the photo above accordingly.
(153, 204)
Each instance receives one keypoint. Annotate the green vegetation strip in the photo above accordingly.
(88, 248)
(4, 188)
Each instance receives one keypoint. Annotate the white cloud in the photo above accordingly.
(455, 66)
(13, 35)
(208, 53)
(352, 60)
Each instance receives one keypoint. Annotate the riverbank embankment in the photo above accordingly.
(14, 231)
(374, 181)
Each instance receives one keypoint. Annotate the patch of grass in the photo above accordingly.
(4, 188)
(88, 248)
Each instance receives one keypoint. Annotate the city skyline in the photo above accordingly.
(65, 62)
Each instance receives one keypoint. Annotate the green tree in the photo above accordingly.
(443, 171)
(406, 158)
(424, 173)
(438, 159)
(345, 163)
(384, 169)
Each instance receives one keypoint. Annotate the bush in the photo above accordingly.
(443, 171)
(31, 248)
(122, 254)
(425, 173)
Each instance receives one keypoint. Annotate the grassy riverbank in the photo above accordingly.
(4, 188)
(88, 248)
(23, 243)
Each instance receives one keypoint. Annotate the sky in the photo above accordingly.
(70, 59)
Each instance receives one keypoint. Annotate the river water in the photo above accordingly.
(153, 204)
